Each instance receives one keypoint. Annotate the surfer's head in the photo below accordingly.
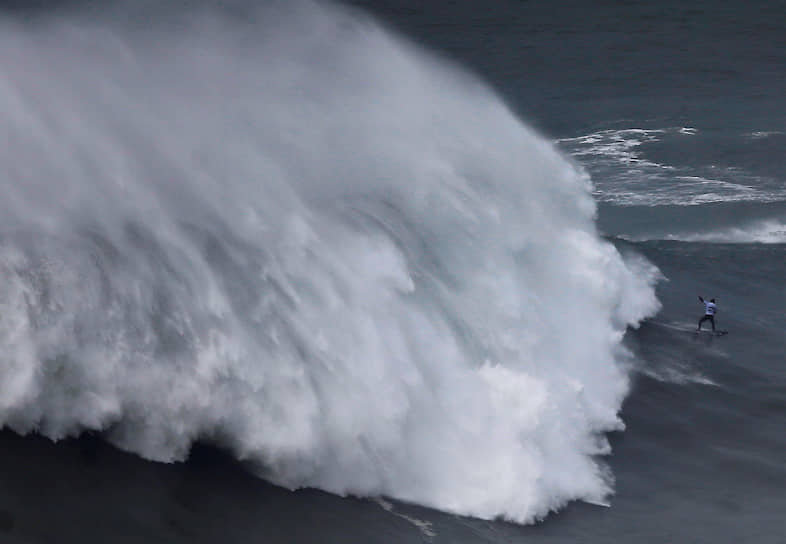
(712, 300)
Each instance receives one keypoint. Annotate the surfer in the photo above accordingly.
(709, 313)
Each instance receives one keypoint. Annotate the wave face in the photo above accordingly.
(292, 233)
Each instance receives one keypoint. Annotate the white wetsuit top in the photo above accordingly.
(709, 308)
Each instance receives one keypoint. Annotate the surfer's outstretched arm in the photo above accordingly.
(701, 299)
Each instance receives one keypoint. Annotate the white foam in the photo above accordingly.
(625, 177)
(425, 527)
(763, 232)
(599, 503)
(761, 134)
(618, 145)
(679, 374)
(342, 258)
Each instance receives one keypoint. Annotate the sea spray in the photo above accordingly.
(339, 256)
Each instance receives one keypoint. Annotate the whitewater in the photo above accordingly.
(293, 234)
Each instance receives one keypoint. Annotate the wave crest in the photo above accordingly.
(339, 256)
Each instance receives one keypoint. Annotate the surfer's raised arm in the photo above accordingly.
(701, 299)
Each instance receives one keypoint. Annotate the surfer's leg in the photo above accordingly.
(712, 320)
(705, 318)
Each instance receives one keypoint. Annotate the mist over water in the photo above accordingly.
(337, 255)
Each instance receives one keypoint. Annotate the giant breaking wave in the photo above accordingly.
(290, 232)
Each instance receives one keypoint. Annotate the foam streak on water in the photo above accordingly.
(625, 176)
(765, 231)
(289, 232)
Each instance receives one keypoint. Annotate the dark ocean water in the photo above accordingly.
(678, 113)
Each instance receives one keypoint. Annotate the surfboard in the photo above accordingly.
(688, 327)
